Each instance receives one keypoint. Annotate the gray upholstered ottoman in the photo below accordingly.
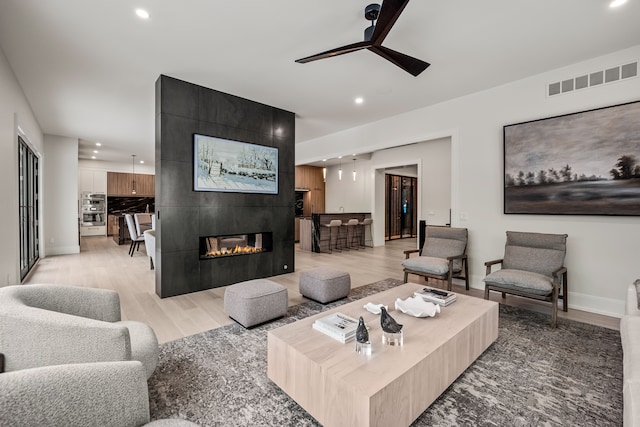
(325, 284)
(255, 301)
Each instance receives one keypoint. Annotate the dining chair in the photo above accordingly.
(143, 222)
(135, 237)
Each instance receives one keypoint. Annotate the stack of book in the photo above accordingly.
(338, 326)
(436, 296)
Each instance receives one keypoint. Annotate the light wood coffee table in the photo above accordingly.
(394, 385)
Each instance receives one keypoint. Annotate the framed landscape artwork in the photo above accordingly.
(586, 163)
(233, 166)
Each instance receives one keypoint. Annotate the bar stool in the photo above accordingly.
(334, 224)
(366, 223)
(352, 234)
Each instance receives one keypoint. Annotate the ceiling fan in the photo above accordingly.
(385, 17)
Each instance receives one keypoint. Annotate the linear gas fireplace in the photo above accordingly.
(235, 245)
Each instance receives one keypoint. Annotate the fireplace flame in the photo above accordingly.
(233, 251)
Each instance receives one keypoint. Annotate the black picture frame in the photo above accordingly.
(232, 166)
(584, 163)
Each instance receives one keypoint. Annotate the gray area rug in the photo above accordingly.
(531, 376)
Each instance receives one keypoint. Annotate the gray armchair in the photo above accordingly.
(42, 325)
(443, 256)
(532, 267)
(107, 394)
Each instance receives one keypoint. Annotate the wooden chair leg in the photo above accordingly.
(504, 295)
(565, 296)
(554, 308)
(486, 292)
(466, 274)
(406, 276)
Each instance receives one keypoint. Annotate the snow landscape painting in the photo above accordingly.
(232, 166)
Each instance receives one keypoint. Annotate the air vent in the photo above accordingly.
(596, 78)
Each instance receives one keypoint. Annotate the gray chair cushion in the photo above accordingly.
(427, 264)
(537, 252)
(443, 242)
(528, 281)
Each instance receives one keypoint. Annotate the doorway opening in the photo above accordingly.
(28, 207)
(401, 210)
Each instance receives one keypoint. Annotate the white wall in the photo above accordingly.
(602, 254)
(60, 197)
(116, 167)
(430, 161)
(14, 111)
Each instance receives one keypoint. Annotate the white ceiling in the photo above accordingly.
(88, 68)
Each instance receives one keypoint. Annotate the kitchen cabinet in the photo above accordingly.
(94, 230)
(310, 178)
(112, 225)
(120, 184)
(92, 181)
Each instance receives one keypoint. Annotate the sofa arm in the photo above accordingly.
(92, 303)
(631, 303)
(105, 394)
(631, 403)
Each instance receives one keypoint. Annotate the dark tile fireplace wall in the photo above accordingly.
(184, 215)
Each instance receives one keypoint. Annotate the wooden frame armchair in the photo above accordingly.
(532, 267)
(443, 256)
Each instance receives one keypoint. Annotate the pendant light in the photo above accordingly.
(354, 170)
(133, 171)
(324, 174)
(340, 171)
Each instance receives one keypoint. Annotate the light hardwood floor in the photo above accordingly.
(103, 264)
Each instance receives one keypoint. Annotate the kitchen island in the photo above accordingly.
(315, 235)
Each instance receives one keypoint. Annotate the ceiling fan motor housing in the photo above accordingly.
(371, 12)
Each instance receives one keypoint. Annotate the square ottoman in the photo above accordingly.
(325, 284)
(256, 301)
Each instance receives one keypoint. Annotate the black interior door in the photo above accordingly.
(27, 207)
(401, 206)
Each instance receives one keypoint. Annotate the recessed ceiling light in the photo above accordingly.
(93, 157)
(339, 157)
(95, 151)
(616, 3)
(142, 13)
(324, 160)
(98, 144)
(141, 161)
(359, 100)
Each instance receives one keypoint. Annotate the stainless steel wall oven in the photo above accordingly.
(93, 210)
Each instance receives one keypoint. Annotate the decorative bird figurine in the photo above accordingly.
(362, 334)
(388, 323)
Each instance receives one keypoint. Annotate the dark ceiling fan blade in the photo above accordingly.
(335, 52)
(389, 14)
(408, 63)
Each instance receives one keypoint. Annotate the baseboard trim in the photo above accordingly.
(62, 250)
(589, 303)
